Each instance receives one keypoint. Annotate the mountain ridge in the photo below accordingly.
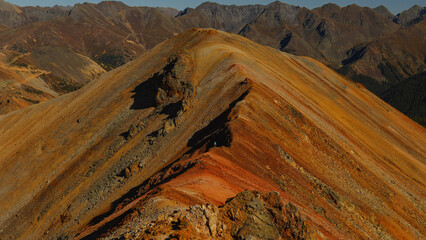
(316, 33)
(198, 119)
(309, 33)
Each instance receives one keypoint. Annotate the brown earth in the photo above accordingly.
(199, 119)
(386, 51)
(69, 50)
(41, 75)
(388, 60)
(370, 46)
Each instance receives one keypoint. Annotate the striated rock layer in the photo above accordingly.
(197, 120)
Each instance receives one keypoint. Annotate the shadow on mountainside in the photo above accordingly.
(145, 93)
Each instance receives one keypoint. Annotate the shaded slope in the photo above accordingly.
(388, 60)
(198, 119)
(169, 11)
(407, 98)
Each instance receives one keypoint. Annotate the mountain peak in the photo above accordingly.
(384, 11)
(9, 7)
(112, 4)
(331, 6)
(198, 119)
(415, 7)
(411, 16)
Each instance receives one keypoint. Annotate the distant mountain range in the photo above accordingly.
(370, 46)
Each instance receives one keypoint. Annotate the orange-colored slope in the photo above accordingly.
(352, 164)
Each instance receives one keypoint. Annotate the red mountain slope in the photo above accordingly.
(198, 119)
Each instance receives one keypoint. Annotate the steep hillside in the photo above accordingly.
(197, 120)
(362, 43)
(65, 53)
(388, 60)
(42, 74)
(14, 16)
(325, 33)
(371, 46)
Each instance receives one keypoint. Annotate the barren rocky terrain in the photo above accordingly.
(211, 135)
(385, 53)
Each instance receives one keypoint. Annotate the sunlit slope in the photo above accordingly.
(198, 119)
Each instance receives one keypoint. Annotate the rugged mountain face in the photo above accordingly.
(295, 29)
(411, 16)
(275, 27)
(197, 120)
(228, 18)
(14, 16)
(339, 27)
(112, 34)
(64, 53)
(380, 56)
(388, 60)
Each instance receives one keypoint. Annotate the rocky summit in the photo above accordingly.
(211, 135)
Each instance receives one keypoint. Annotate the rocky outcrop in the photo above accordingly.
(248, 215)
